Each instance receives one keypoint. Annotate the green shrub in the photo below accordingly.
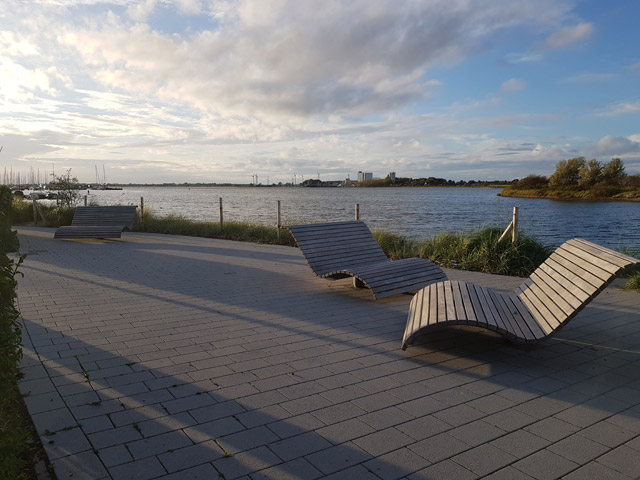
(55, 215)
(479, 251)
(15, 432)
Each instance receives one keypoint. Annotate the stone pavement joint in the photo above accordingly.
(168, 357)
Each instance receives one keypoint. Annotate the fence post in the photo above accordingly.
(221, 215)
(279, 223)
(514, 231)
(357, 211)
(35, 211)
(85, 200)
(142, 212)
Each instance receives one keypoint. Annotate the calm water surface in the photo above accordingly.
(418, 213)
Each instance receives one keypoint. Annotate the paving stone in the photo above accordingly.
(65, 442)
(596, 471)
(293, 470)
(383, 441)
(191, 456)
(246, 463)
(158, 444)
(552, 429)
(140, 470)
(247, 439)
(201, 472)
(622, 459)
(295, 425)
(338, 458)
(396, 464)
(299, 446)
(424, 427)
(477, 432)
(345, 431)
(484, 459)
(578, 449)
(520, 443)
(439, 447)
(80, 466)
(358, 472)
(545, 465)
(445, 469)
(116, 455)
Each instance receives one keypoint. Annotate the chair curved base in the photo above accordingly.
(391, 277)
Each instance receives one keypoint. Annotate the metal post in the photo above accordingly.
(357, 211)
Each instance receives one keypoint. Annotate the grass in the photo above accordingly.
(479, 251)
(239, 231)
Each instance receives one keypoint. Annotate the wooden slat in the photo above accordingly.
(459, 307)
(555, 291)
(593, 264)
(578, 285)
(611, 256)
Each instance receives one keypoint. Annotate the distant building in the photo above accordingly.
(364, 176)
(392, 176)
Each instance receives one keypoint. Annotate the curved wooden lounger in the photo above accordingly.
(348, 249)
(554, 293)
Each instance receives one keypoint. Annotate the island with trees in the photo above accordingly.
(578, 179)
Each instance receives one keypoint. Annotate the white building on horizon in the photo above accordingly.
(364, 176)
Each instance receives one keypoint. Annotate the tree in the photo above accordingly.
(67, 189)
(613, 172)
(567, 172)
(532, 181)
(590, 173)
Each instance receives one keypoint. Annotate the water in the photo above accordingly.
(418, 213)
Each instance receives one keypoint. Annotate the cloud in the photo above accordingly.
(284, 57)
(568, 35)
(590, 77)
(623, 108)
(611, 146)
(513, 85)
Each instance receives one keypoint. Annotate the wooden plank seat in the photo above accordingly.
(99, 222)
(348, 249)
(555, 292)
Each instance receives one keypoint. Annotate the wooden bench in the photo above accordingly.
(99, 222)
(554, 293)
(348, 249)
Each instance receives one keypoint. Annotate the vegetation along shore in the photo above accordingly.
(577, 179)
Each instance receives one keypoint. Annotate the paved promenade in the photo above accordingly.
(172, 357)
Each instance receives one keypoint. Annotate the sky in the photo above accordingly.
(218, 91)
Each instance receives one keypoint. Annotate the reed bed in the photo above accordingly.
(478, 251)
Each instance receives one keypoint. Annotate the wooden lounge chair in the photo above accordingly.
(554, 293)
(348, 249)
(99, 222)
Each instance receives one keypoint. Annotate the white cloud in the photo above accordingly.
(568, 35)
(590, 77)
(623, 108)
(513, 85)
(611, 146)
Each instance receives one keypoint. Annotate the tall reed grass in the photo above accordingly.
(479, 251)
(239, 231)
